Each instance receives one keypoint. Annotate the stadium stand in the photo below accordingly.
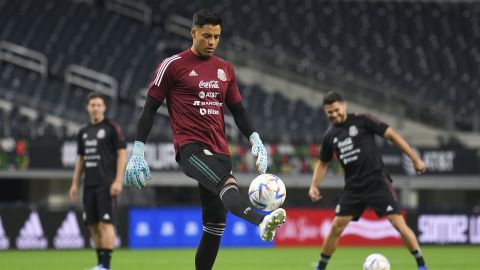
(435, 73)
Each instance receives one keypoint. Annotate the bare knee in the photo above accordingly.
(338, 227)
(230, 181)
(398, 223)
(105, 228)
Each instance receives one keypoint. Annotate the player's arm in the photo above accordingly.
(137, 171)
(116, 186)
(402, 144)
(319, 173)
(145, 122)
(245, 125)
(77, 173)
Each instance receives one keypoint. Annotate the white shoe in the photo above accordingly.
(270, 223)
(97, 267)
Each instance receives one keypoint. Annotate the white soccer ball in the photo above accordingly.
(267, 192)
(376, 262)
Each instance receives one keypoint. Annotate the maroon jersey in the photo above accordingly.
(196, 90)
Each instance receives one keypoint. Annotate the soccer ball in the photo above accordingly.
(376, 262)
(267, 192)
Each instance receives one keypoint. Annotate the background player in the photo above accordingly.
(197, 85)
(352, 139)
(101, 154)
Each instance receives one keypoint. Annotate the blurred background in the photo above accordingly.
(413, 64)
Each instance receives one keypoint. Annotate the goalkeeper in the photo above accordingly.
(196, 85)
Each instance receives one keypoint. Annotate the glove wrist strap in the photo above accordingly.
(138, 149)
(254, 138)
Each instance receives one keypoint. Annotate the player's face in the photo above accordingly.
(336, 112)
(205, 39)
(96, 109)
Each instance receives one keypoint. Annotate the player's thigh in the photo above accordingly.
(383, 198)
(106, 205)
(90, 210)
(351, 204)
(209, 169)
(213, 210)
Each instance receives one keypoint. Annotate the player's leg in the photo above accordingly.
(106, 215)
(350, 207)
(90, 218)
(409, 238)
(214, 216)
(384, 201)
(331, 241)
(212, 171)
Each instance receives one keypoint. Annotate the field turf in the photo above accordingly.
(438, 258)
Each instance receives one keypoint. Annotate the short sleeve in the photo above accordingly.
(326, 153)
(118, 139)
(163, 79)
(374, 125)
(80, 148)
(233, 94)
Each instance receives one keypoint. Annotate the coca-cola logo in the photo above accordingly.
(209, 84)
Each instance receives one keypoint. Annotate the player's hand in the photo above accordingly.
(137, 172)
(314, 194)
(260, 152)
(420, 166)
(116, 188)
(73, 193)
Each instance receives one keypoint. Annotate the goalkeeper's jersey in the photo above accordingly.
(98, 144)
(196, 90)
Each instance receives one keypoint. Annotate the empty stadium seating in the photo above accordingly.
(422, 51)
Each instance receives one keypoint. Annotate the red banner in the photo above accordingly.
(309, 227)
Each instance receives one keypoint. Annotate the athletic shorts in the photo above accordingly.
(380, 196)
(98, 205)
(210, 170)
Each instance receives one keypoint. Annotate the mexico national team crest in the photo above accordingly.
(221, 75)
(353, 131)
(101, 134)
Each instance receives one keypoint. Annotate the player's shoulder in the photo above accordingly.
(173, 59)
(112, 124)
(367, 117)
(222, 61)
(84, 128)
(328, 133)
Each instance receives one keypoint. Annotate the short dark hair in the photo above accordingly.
(332, 97)
(95, 95)
(206, 16)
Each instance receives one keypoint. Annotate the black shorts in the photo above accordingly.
(98, 205)
(380, 196)
(210, 170)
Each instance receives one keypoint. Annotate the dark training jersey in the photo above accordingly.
(98, 144)
(196, 90)
(354, 145)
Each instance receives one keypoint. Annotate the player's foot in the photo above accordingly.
(423, 267)
(98, 267)
(270, 223)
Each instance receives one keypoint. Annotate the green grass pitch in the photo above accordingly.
(438, 258)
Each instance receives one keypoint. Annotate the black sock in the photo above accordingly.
(98, 255)
(105, 256)
(322, 263)
(235, 203)
(419, 257)
(208, 247)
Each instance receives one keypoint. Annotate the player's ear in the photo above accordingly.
(192, 31)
